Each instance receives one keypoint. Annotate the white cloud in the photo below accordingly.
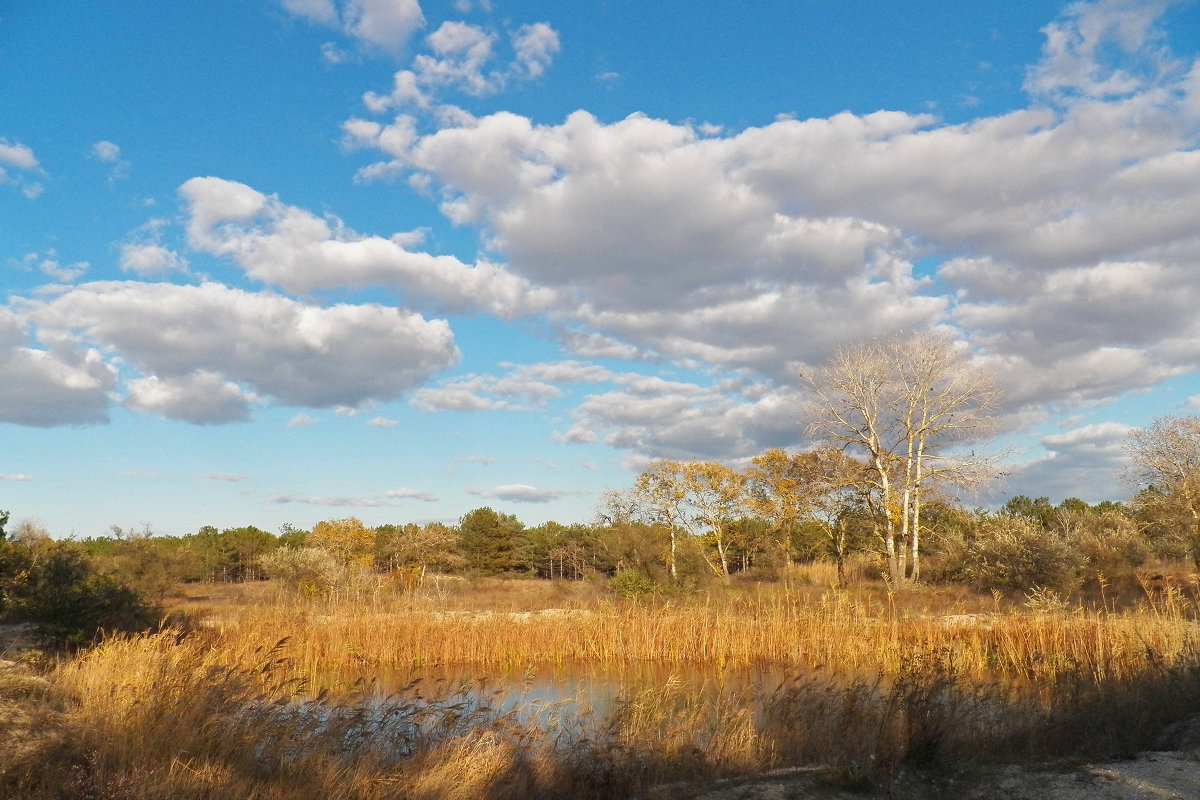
(1069, 233)
(463, 58)
(320, 11)
(302, 421)
(1078, 55)
(332, 501)
(64, 384)
(291, 352)
(535, 46)
(291, 248)
(201, 397)
(49, 265)
(382, 422)
(515, 392)
(332, 54)
(150, 259)
(385, 25)
(107, 152)
(647, 415)
(521, 493)
(15, 154)
(412, 494)
(18, 156)
(664, 419)
(18, 477)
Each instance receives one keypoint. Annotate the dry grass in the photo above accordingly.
(338, 641)
(879, 680)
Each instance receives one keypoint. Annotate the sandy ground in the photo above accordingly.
(1172, 773)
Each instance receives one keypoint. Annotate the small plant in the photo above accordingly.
(633, 585)
(1041, 600)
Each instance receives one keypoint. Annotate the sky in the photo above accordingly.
(290, 260)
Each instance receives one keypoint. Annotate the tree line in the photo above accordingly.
(671, 531)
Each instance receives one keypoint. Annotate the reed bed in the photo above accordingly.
(867, 689)
(339, 642)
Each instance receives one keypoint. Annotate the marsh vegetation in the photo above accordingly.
(254, 691)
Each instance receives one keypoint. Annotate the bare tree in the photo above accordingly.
(1164, 461)
(913, 406)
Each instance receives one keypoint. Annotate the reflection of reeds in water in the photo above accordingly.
(229, 714)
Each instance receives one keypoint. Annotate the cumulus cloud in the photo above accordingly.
(150, 260)
(201, 397)
(63, 384)
(385, 25)
(278, 348)
(106, 151)
(109, 153)
(298, 251)
(648, 415)
(517, 391)
(655, 418)
(1068, 231)
(15, 154)
(463, 58)
(525, 387)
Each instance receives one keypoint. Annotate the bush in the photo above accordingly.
(1111, 543)
(1016, 554)
(73, 604)
(632, 584)
(307, 570)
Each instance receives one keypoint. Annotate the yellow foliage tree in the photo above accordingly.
(347, 539)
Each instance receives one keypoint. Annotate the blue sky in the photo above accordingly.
(291, 260)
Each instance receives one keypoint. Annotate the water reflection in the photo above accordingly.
(577, 688)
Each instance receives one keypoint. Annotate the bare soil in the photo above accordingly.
(1172, 773)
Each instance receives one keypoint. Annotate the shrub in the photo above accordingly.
(1016, 554)
(308, 570)
(73, 604)
(1110, 542)
(632, 584)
